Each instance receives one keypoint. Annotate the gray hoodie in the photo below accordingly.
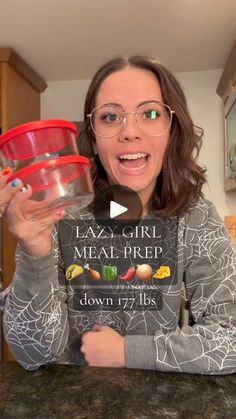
(45, 315)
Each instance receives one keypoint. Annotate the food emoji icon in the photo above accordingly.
(109, 272)
(144, 272)
(93, 274)
(129, 275)
(73, 271)
(162, 272)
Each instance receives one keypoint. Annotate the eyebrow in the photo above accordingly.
(140, 104)
(149, 101)
(112, 104)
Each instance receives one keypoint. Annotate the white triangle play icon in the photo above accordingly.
(116, 209)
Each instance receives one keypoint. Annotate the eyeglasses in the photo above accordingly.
(152, 118)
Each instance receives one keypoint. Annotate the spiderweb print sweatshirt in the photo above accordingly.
(92, 276)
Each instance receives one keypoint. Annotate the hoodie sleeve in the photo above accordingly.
(35, 313)
(208, 345)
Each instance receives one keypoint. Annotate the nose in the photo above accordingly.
(130, 130)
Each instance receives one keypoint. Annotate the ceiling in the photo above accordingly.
(69, 39)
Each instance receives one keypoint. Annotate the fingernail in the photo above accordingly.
(24, 188)
(6, 171)
(15, 183)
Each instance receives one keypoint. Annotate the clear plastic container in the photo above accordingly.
(57, 183)
(37, 141)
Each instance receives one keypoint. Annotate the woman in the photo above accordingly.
(140, 135)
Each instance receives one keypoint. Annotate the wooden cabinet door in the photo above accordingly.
(20, 103)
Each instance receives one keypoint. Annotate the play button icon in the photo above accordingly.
(117, 206)
(116, 209)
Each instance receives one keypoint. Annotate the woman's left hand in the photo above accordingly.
(103, 347)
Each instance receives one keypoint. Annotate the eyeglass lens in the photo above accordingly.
(152, 118)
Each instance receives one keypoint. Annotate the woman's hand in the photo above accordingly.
(33, 235)
(103, 347)
(7, 190)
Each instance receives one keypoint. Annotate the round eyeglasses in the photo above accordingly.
(152, 118)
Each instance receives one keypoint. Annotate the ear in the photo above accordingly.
(95, 148)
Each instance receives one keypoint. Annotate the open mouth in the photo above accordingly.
(134, 161)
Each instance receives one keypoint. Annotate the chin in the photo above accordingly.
(136, 186)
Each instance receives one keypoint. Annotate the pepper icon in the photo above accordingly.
(109, 272)
(129, 274)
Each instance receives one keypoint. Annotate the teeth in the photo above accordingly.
(133, 156)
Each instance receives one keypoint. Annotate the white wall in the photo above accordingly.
(206, 109)
(65, 100)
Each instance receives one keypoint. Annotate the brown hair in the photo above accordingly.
(179, 184)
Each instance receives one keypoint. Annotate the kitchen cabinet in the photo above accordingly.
(227, 91)
(20, 88)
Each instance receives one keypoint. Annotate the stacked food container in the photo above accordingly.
(44, 155)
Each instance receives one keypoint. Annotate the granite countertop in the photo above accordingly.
(63, 391)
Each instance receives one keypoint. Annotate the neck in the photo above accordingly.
(145, 197)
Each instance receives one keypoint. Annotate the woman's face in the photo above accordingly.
(131, 158)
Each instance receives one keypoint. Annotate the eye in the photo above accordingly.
(152, 114)
(109, 117)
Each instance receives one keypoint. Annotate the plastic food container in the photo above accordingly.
(37, 141)
(57, 183)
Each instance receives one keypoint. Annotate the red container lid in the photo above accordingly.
(35, 125)
(71, 167)
(35, 138)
